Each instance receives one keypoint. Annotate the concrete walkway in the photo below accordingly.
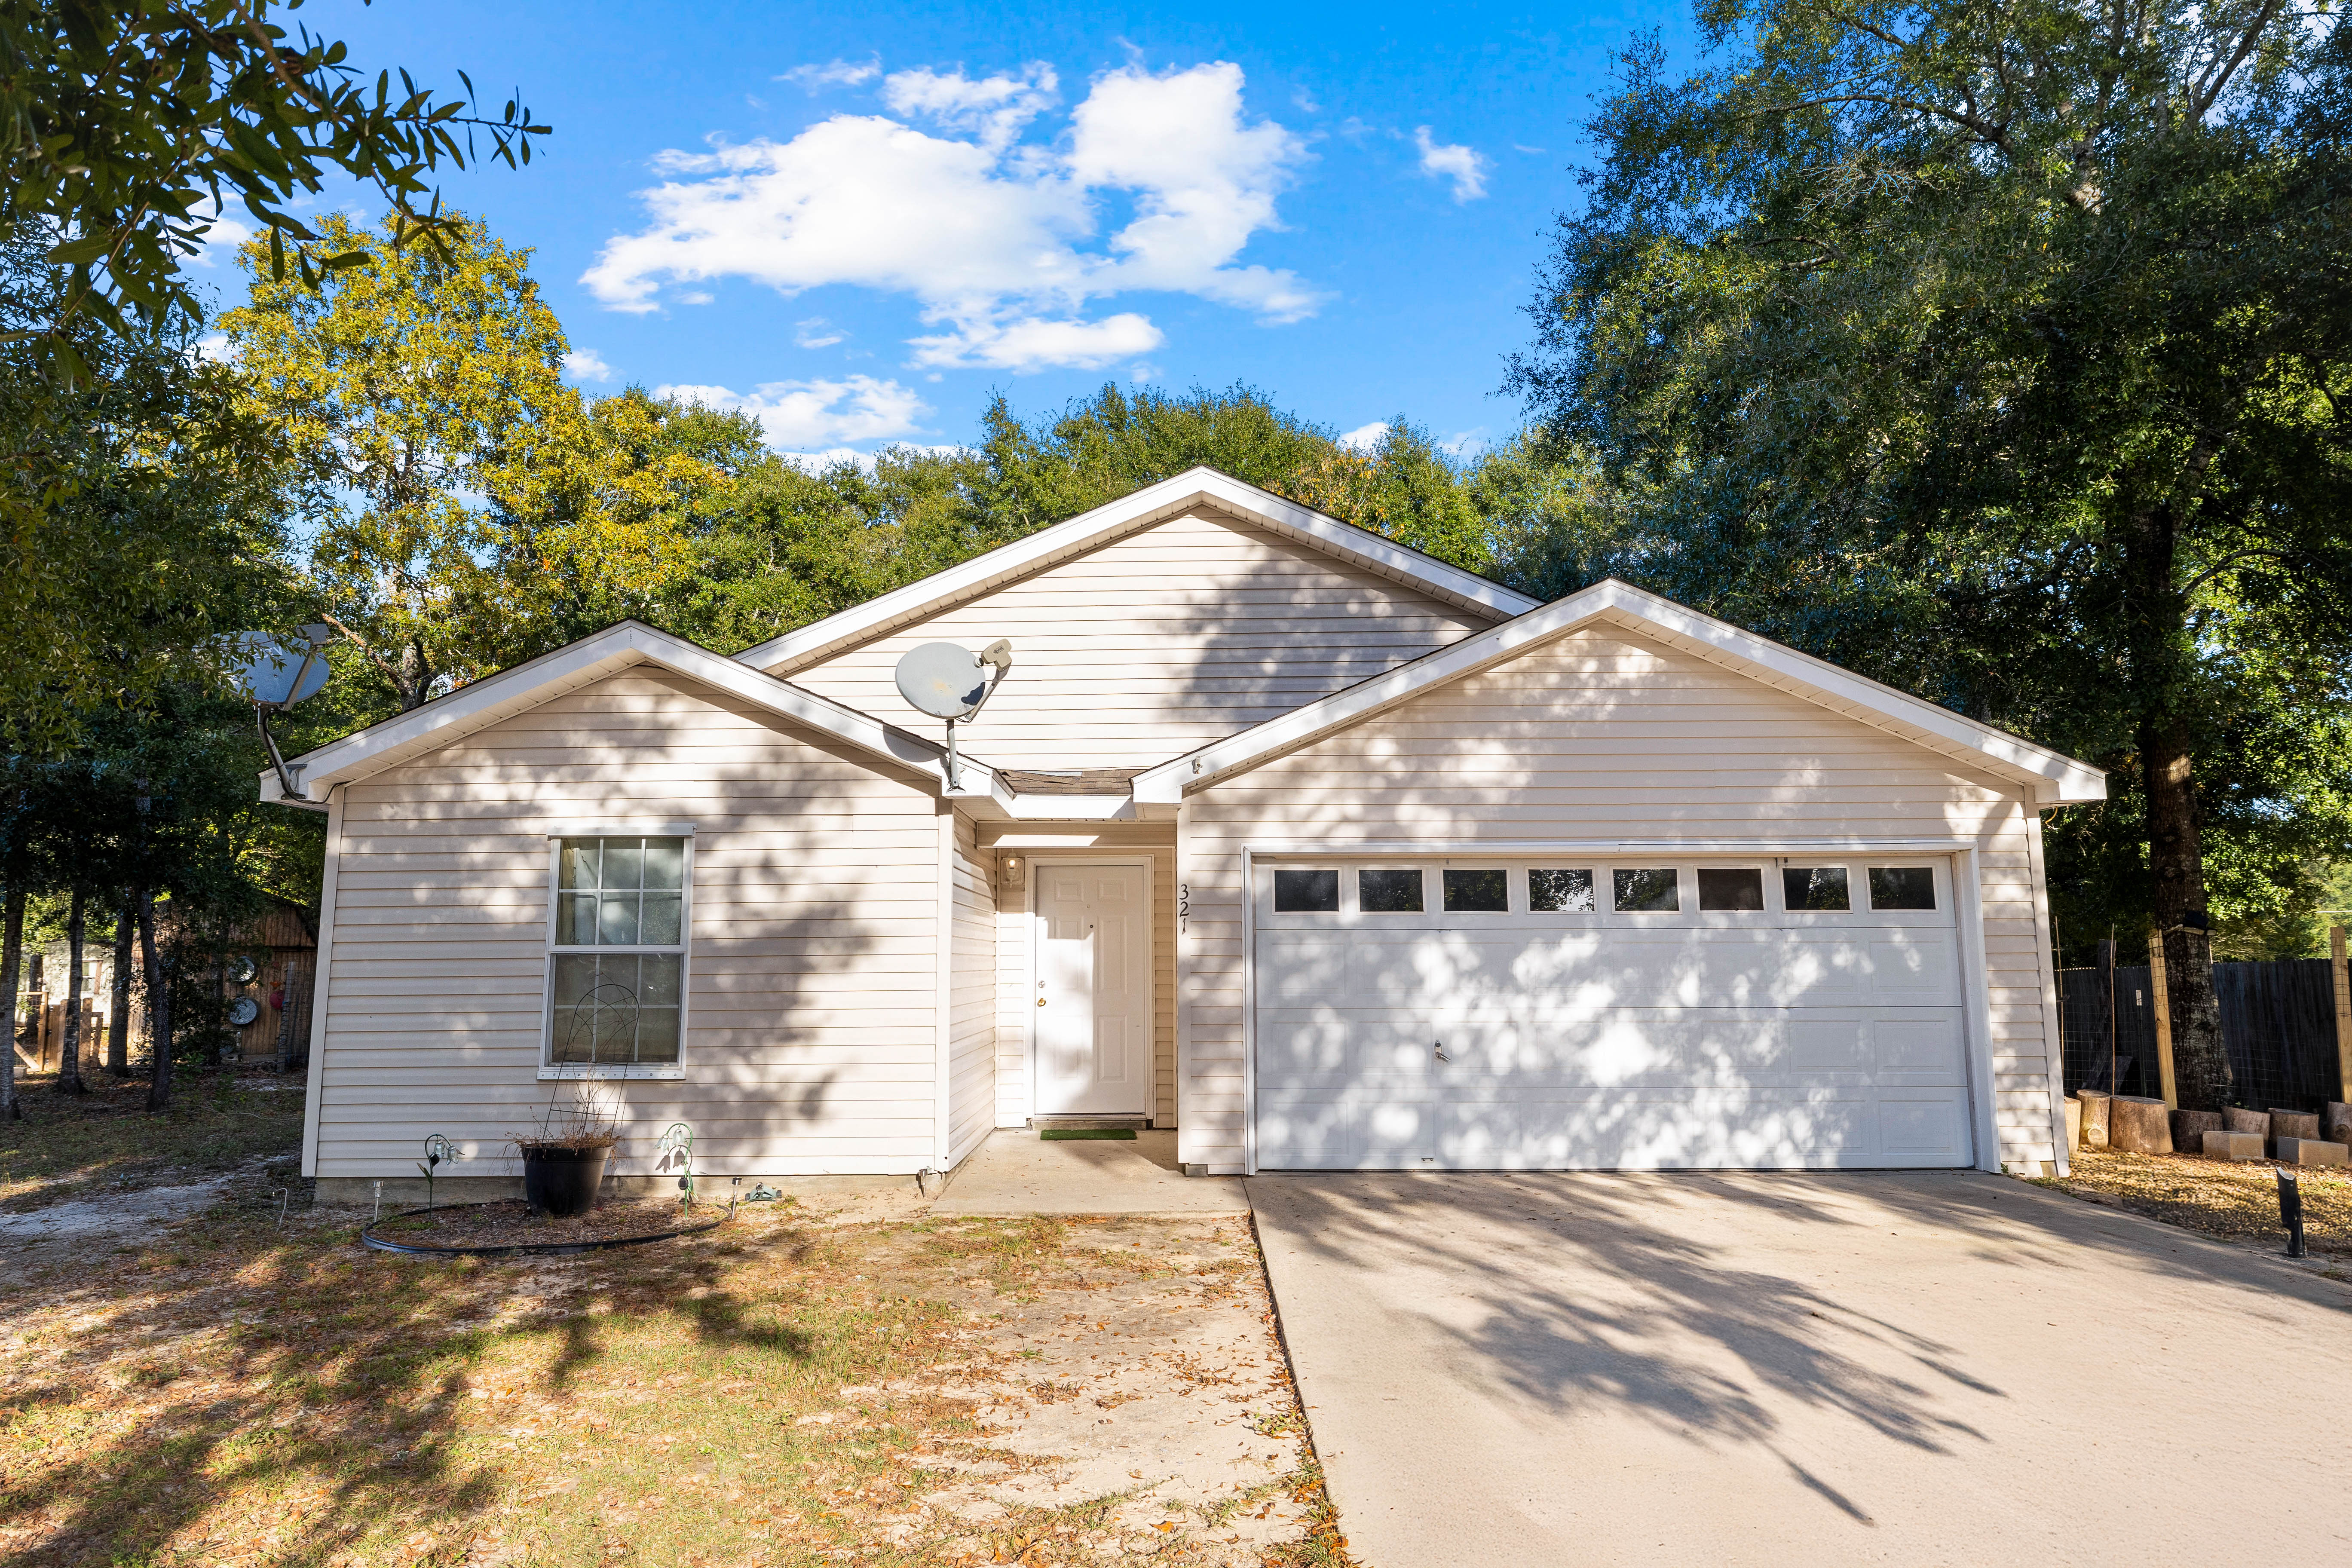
(1730, 1370)
(1017, 1173)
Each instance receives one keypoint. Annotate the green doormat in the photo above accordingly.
(1066, 1135)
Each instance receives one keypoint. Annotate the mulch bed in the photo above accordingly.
(511, 1224)
(2239, 1202)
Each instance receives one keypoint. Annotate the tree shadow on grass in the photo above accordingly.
(249, 1393)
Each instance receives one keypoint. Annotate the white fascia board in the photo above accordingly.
(2053, 778)
(1153, 503)
(524, 687)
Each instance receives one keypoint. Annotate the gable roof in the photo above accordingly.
(592, 659)
(1153, 503)
(2051, 778)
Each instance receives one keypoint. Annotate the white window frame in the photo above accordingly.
(683, 947)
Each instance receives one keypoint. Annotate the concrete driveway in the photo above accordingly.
(1728, 1370)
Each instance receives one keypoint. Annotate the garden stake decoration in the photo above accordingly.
(676, 1151)
(2291, 1211)
(437, 1149)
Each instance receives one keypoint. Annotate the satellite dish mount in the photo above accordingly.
(277, 676)
(947, 682)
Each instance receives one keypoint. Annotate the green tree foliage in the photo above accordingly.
(128, 125)
(1999, 351)
(140, 517)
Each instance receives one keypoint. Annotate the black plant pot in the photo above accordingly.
(563, 1182)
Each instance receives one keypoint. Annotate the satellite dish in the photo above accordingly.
(943, 679)
(278, 675)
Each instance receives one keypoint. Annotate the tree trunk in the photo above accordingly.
(12, 960)
(2162, 672)
(118, 1001)
(70, 1061)
(2176, 861)
(158, 1005)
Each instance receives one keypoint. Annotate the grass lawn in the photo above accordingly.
(74, 1144)
(792, 1387)
(2235, 1201)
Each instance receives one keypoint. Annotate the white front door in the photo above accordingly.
(1094, 989)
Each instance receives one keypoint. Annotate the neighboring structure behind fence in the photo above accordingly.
(2278, 1024)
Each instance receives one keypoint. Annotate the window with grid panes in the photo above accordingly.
(618, 962)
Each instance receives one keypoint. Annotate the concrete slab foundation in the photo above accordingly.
(401, 1191)
(1017, 1173)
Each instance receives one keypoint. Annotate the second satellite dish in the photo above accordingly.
(279, 677)
(943, 679)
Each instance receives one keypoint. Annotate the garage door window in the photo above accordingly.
(1306, 892)
(1814, 888)
(1902, 888)
(1389, 893)
(1555, 891)
(1655, 891)
(1479, 892)
(1734, 888)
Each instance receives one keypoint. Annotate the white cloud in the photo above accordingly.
(1465, 166)
(818, 462)
(1031, 343)
(995, 108)
(218, 248)
(816, 332)
(1365, 437)
(834, 73)
(586, 364)
(217, 348)
(993, 235)
(798, 416)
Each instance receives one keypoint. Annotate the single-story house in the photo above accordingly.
(1326, 853)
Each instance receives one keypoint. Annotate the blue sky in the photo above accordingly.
(860, 222)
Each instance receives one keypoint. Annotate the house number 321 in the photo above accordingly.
(1183, 905)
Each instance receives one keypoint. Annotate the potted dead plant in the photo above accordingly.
(564, 1158)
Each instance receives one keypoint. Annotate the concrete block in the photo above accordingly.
(2073, 1122)
(2310, 1151)
(2233, 1145)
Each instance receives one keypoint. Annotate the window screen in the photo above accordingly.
(1814, 888)
(1389, 893)
(1902, 888)
(1306, 892)
(619, 956)
(1738, 888)
(1648, 892)
(1554, 890)
(1477, 892)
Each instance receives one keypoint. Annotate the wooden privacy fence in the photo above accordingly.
(2280, 1023)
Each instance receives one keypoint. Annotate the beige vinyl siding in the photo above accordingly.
(1605, 735)
(1014, 979)
(971, 1077)
(1159, 641)
(811, 1038)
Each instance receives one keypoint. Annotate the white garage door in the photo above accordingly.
(1582, 1012)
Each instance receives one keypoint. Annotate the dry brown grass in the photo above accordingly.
(2237, 1202)
(240, 1392)
(70, 1144)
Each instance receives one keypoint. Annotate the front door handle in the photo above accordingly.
(1437, 1048)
